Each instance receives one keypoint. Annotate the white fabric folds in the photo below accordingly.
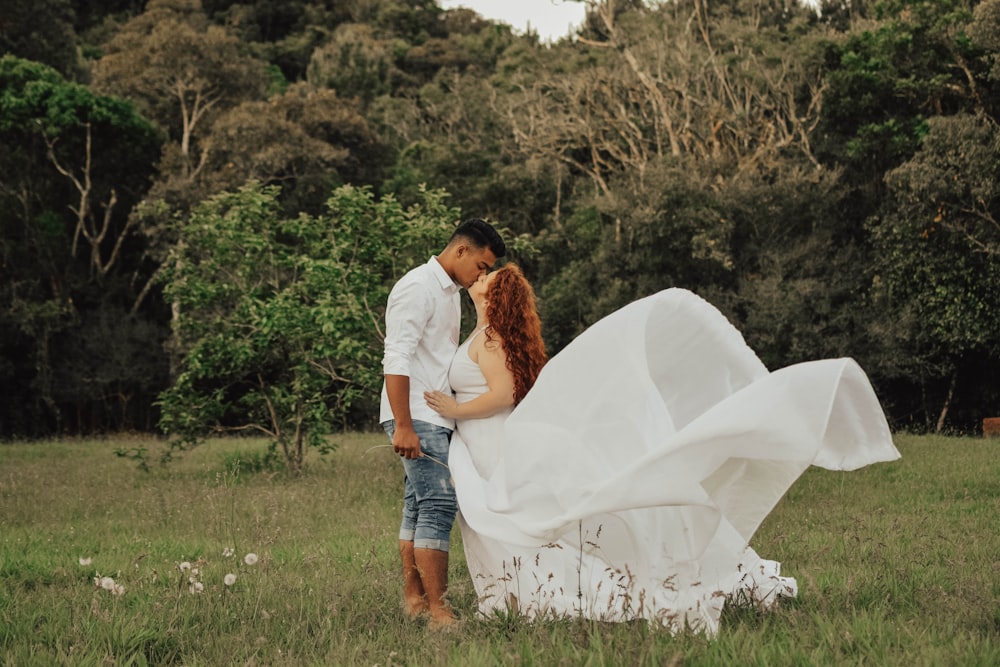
(629, 481)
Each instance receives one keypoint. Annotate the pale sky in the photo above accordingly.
(551, 19)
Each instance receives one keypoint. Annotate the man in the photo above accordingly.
(422, 321)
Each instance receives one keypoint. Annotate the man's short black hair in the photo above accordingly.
(481, 234)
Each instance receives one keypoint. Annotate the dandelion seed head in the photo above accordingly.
(228, 552)
(250, 558)
(194, 571)
(196, 587)
(86, 561)
(107, 583)
(118, 589)
(229, 579)
(185, 566)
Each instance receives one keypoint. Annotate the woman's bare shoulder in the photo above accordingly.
(491, 345)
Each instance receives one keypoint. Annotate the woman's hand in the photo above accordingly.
(442, 403)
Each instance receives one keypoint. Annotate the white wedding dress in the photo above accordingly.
(629, 481)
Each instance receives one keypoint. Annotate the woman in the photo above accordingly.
(629, 481)
(491, 373)
(497, 364)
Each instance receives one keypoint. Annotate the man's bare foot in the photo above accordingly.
(415, 607)
(415, 603)
(442, 620)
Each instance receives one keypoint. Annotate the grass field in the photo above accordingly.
(897, 564)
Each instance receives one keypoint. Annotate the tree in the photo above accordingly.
(653, 130)
(670, 232)
(886, 78)
(281, 318)
(181, 72)
(41, 31)
(73, 164)
(283, 32)
(355, 63)
(669, 82)
(64, 127)
(938, 245)
(307, 141)
(984, 31)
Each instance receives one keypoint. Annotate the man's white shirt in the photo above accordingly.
(422, 325)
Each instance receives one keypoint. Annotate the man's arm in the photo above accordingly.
(408, 310)
(404, 440)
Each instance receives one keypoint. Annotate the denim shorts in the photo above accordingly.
(429, 504)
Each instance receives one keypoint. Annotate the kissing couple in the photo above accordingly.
(623, 478)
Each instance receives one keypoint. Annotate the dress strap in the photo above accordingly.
(475, 333)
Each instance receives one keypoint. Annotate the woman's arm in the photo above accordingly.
(498, 396)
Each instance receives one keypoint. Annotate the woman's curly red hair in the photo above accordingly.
(513, 316)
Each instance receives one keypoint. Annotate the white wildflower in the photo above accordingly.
(229, 579)
(86, 561)
(250, 559)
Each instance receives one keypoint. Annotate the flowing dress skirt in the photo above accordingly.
(630, 480)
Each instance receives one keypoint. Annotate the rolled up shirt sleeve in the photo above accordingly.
(408, 310)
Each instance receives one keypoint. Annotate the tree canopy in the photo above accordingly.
(280, 324)
(826, 175)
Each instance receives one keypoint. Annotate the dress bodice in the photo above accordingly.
(466, 378)
(483, 435)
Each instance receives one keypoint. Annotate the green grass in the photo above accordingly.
(897, 564)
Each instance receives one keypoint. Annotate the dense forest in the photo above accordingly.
(203, 203)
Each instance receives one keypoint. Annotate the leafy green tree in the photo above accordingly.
(355, 63)
(412, 20)
(73, 165)
(282, 32)
(669, 233)
(801, 284)
(75, 138)
(281, 318)
(938, 244)
(984, 32)
(886, 79)
(308, 141)
(182, 72)
(41, 31)
(448, 125)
